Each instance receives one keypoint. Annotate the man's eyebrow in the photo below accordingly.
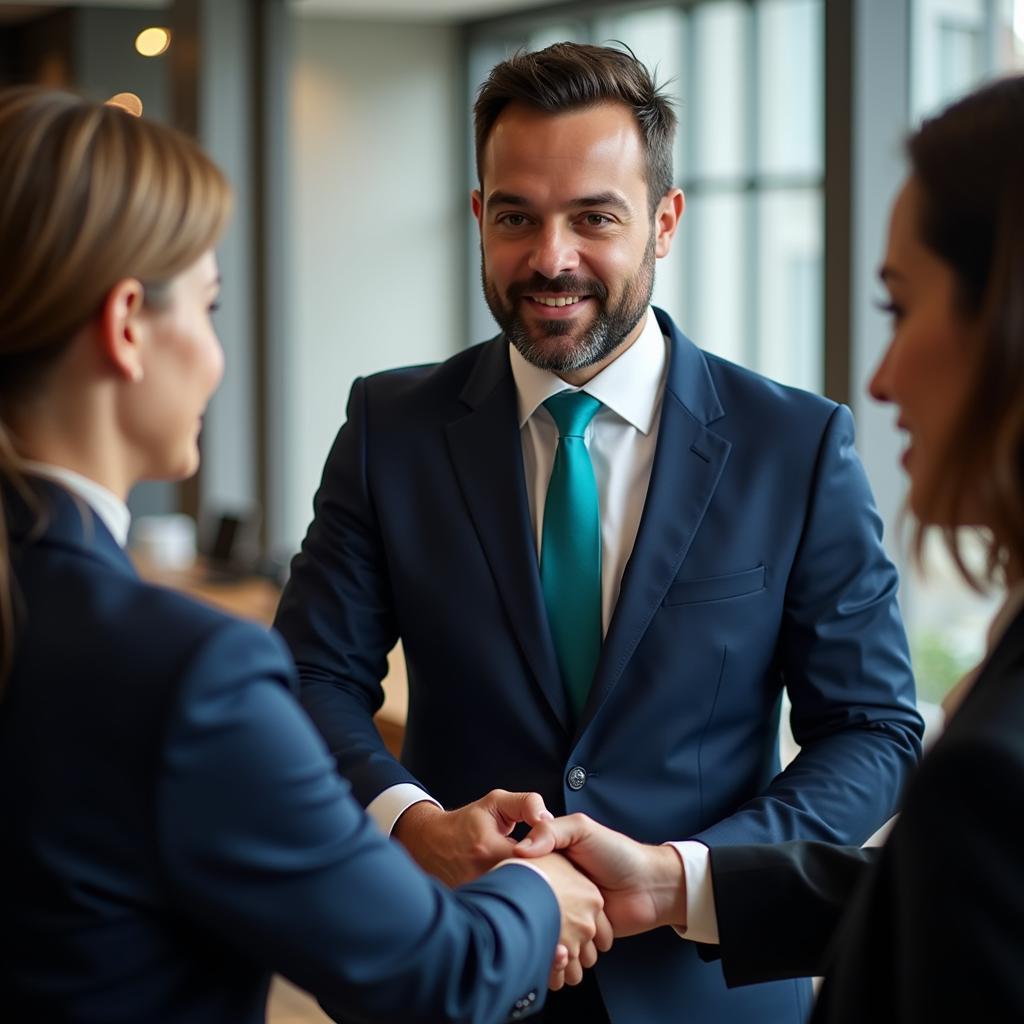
(607, 199)
(506, 199)
(612, 199)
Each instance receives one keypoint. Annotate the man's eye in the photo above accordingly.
(597, 220)
(512, 220)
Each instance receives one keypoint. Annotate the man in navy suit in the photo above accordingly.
(607, 553)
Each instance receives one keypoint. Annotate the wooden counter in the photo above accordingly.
(256, 598)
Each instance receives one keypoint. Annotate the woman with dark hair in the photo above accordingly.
(173, 826)
(930, 927)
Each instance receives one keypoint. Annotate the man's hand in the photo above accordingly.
(585, 931)
(459, 846)
(644, 887)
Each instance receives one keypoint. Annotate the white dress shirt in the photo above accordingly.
(621, 439)
(113, 512)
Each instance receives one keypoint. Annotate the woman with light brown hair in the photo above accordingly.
(173, 827)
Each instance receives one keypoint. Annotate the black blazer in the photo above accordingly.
(930, 927)
(173, 828)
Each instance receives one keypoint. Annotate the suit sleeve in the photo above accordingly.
(842, 656)
(264, 845)
(337, 614)
(778, 906)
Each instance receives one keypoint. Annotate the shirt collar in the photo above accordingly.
(630, 385)
(113, 512)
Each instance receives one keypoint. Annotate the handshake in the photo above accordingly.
(607, 884)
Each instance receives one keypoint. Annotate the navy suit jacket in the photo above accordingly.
(930, 927)
(757, 567)
(174, 829)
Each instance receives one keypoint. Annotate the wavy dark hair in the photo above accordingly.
(969, 164)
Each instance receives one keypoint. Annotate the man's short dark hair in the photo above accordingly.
(573, 76)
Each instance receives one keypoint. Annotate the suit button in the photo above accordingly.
(577, 777)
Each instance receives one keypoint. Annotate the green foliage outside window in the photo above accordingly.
(938, 666)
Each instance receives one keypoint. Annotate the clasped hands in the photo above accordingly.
(607, 884)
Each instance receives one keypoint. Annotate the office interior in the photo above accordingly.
(345, 126)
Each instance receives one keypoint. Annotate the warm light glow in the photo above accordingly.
(151, 42)
(127, 101)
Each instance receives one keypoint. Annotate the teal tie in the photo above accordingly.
(570, 554)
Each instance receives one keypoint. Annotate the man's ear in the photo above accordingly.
(476, 201)
(666, 220)
(122, 329)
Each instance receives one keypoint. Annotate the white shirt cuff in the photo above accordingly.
(701, 918)
(387, 807)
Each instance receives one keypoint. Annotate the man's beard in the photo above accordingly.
(609, 329)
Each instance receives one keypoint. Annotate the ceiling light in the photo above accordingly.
(151, 42)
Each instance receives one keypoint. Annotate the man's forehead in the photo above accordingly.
(603, 138)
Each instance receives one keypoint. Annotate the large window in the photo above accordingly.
(745, 275)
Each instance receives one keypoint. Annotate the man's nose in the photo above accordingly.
(554, 252)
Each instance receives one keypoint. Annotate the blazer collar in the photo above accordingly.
(57, 518)
(688, 464)
(689, 378)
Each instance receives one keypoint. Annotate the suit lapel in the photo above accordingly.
(486, 450)
(688, 463)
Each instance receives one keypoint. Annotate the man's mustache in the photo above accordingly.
(562, 283)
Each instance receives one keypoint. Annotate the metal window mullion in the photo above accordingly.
(751, 251)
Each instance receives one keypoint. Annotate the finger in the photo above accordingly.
(561, 958)
(540, 841)
(516, 807)
(556, 980)
(557, 834)
(573, 973)
(588, 954)
(605, 933)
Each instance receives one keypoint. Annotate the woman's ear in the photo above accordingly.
(122, 328)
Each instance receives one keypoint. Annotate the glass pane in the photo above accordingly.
(1010, 35)
(950, 45)
(946, 620)
(658, 37)
(654, 35)
(720, 111)
(790, 88)
(789, 287)
(960, 58)
(560, 32)
(715, 236)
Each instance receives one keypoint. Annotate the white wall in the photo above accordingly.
(377, 147)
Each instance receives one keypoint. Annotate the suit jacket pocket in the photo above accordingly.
(716, 588)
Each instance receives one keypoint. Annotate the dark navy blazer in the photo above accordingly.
(173, 829)
(758, 567)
